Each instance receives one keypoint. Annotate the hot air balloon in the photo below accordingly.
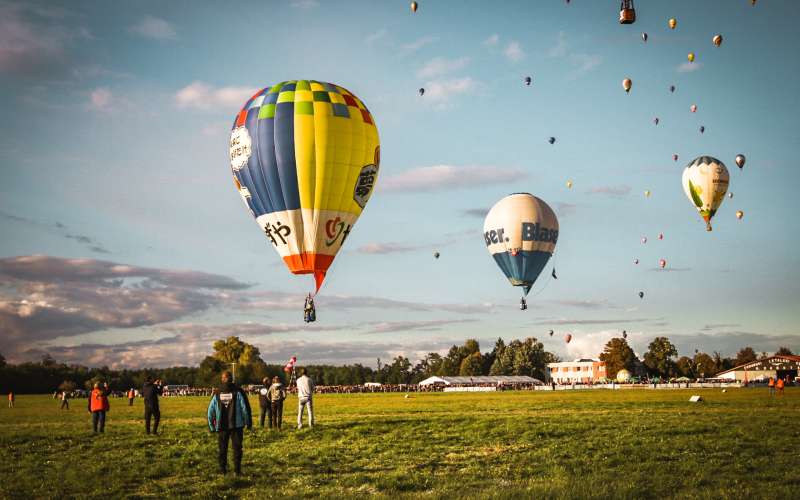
(660, 236)
(717, 40)
(414, 6)
(675, 157)
(690, 57)
(739, 214)
(627, 14)
(705, 181)
(528, 80)
(569, 184)
(702, 129)
(551, 140)
(656, 120)
(305, 157)
(567, 338)
(551, 333)
(644, 37)
(421, 91)
(740, 159)
(636, 261)
(644, 240)
(624, 334)
(641, 295)
(730, 195)
(672, 23)
(435, 255)
(662, 263)
(521, 232)
(693, 108)
(672, 88)
(627, 84)
(647, 193)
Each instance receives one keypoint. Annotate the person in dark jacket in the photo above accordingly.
(150, 393)
(277, 393)
(264, 402)
(228, 414)
(98, 406)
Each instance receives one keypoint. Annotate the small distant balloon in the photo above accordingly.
(740, 159)
(624, 334)
(569, 184)
(717, 40)
(672, 23)
(551, 333)
(672, 88)
(693, 108)
(644, 240)
(675, 157)
(567, 338)
(647, 193)
(551, 140)
(690, 57)
(435, 255)
(644, 37)
(656, 120)
(730, 195)
(414, 6)
(662, 263)
(702, 129)
(660, 236)
(739, 214)
(627, 84)
(636, 261)
(421, 91)
(641, 295)
(528, 80)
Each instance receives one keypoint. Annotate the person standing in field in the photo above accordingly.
(10, 399)
(305, 392)
(228, 415)
(131, 395)
(64, 400)
(771, 385)
(263, 402)
(779, 384)
(150, 393)
(98, 406)
(277, 393)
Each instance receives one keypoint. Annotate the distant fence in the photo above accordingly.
(668, 385)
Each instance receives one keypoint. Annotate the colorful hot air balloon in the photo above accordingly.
(569, 184)
(636, 261)
(435, 255)
(702, 129)
(551, 333)
(660, 236)
(672, 88)
(305, 157)
(675, 157)
(551, 140)
(656, 120)
(421, 91)
(627, 84)
(740, 159)
(672, 23)
(662, 263)
(693, 108)
(641, 295)
(414, 6)
(568, 338)
(528, 80)
(690, 57)
(521, 232)
(644, 240)
(627, 14)
(644, 37)
(647, 193)
(705, 181)
(739, 214)
(717, 40)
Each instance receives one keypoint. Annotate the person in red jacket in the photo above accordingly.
(98, 406)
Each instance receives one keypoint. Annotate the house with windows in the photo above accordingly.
(579, 371)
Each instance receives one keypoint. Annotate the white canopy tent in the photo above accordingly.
(482, 379)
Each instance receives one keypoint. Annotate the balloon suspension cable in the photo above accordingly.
(549, 279)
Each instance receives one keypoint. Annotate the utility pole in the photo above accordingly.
(233, 365)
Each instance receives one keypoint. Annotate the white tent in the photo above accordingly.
(482, 379)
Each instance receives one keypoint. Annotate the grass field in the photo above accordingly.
(571, 444)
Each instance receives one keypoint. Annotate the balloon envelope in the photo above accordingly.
(740, 159)
(739, 214)
(414, 6)
(627, 84)
(568, 338)
(305, 157)
(672, 23)
(690, 57)
(705, 181)
(717, 40)
(520, 232)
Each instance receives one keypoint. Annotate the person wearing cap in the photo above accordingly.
(98, 406)
(228, 414)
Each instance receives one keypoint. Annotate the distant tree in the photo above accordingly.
(48, 361)
(2, 361)
(617, 355)
(249, 365)
(451, 365)
(67, 386)
(399, 372)
(745, 355)
(685, 366)
(782, 351)
(471, 365)
(659, 357)
(704, 365)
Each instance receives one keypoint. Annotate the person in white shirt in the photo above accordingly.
(305, 391)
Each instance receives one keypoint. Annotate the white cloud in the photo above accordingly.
(441, 91)
(418, 43)
(374, 37)
(560, 48)
(688, 67)
(440, 66)
(155, 28)
(585, 63)
(444, 177)
(384, 248)
(612, 191)
(100, 99)
(200, 95)
(514, 52)
(304, 4)
(492, 40)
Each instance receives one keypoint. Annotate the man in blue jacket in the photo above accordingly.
(228, 415)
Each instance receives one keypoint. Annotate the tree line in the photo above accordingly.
(518, 357)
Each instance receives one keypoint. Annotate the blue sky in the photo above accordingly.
(114, 151)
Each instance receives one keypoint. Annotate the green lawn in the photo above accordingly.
(629, 443)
